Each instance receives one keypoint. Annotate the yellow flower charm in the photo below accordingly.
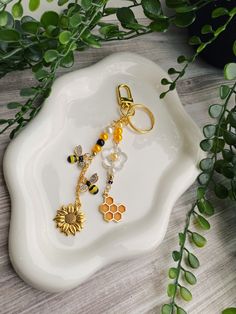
(69, 219)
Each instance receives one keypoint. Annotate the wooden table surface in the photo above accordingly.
(138, 285)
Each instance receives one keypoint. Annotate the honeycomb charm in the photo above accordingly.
(110, 210)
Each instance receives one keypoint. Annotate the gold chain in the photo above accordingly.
(81, 180)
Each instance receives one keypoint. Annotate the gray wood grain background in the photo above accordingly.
(138, 285)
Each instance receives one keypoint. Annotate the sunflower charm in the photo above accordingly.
(69, 219)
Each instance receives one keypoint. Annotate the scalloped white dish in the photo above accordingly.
(161, 165)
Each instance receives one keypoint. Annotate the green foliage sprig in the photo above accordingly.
(196, 41)
(219, 165)
(51, 42)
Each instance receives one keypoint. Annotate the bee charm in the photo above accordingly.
(89, 185)
(77, 157)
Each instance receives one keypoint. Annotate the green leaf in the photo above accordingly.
(108, 29)
(205, 207)
(232, 118)
(33, 53)
(190, 278)
(206, 145)
(230, 310)
(10, 21)
(181, 239)
(86, 4)
(49, 18)
(9, 35)
(41, 74)
(176, 256)
(30, 27)
(206, 29)
(17, 10)
(224, 91)
(234, 48)
(164, 81)
(227, 155)
(193, 261)
(13, 105)
(219, 30)
(160, 25)
(51, 55)
(218, 145)
(3, 18)
(185, 294)
(184, 19)
(229, 137)
(203, 178)
(180, 310)
(171, 290)
(125, 16)
(230, 71)
(151, 8)
(75, 20)
(228, 171)
(172, 273)
(215, 110)
(185, 8)
(201, 191)
(28, 91)
(65, 37)
(110, 11)
(209, 130)
(203, 223)
(194, 40)
(232, 12)
(172, 71)
(166, 309)
(62, 2)
(198, 239)
(206, 164)
(201, 47)
(221, 191)
(181, 59)
(219, 12)
(68, 60)
(92, 41)
(34, 4)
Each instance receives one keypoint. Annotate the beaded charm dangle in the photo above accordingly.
(70, 218)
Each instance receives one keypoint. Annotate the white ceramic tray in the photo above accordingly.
(160, 167)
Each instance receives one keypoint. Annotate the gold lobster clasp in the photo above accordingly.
(128, 108)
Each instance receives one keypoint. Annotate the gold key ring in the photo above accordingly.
(128, 108)
(150, 115)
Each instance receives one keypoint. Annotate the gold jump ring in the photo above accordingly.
(150, 115)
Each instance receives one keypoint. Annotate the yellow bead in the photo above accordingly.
(118, 131)
(117, 138)
(104, 136)
(96, 148)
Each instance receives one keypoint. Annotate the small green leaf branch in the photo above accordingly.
(220, 144)
(196, 40)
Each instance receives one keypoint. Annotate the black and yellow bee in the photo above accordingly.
(89, 185)
(77, 157)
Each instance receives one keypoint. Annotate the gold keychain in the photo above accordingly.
(70, 218)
